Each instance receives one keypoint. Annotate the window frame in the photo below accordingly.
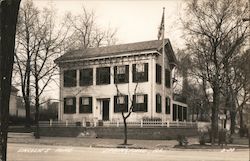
(140, 76)
(121, 78)
(69, 78)
(101, 71)
(158, 105)
(120, 107)
(85, 108)
(69, 109)
(86, 80)
(140, 107)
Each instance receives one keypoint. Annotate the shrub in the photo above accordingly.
(203, 138)
(182, 140)
(243, 131)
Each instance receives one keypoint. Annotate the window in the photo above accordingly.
(167, 78)
(69, 78)
(70, 105)
(158, 103)
(158, 73)
(140, 72)
(103, 75)
(85, 105)
(121, 74)
(86, 77)
(184, 113)
(140, 103)
(168, 102)
(121, 103)
(180, 113)
(174, 112)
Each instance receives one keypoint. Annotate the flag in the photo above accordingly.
(161, 28)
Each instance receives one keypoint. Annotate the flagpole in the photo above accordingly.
(163, 62)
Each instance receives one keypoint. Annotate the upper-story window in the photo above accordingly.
(86, 77)
(121, 103)
(140, 103)
(85, 105)
(167, 78)
(69, 105)
(158, 103)
(158, 73)
(69, 78)
(121, 74)
(103, 75)
(140, 72)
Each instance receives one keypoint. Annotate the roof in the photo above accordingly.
(115, 50)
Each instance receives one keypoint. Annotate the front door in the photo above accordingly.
(105, 110)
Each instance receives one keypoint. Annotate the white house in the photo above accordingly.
(98, 83)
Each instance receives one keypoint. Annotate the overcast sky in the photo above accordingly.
(135, 20)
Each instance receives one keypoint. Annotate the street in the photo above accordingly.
(29, 152)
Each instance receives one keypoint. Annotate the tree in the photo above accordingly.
(39, 44)
(215, 32)
(8, 19)
(85, 32)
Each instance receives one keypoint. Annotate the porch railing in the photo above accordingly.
(142, 123)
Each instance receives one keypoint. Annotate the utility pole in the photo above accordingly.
(8, 18)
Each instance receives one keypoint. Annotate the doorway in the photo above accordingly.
(105, 109)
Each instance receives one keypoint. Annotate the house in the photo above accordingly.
(99, 83)
(14, 107)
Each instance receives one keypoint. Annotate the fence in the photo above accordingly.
(142, 123)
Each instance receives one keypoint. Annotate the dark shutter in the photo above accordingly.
(134, 104)
(126, 104)
(134, 73)
(115, 105)
(158, 104)
(167, 78)
(65, 109)
(174, 111)
(180, 113)
(145, 72)
(97, 76)
(145, 103)
(168, 105)
(158, 73)
(90, 104)
(115, 75)
(74, 105)
(185, 113)
(127, 74)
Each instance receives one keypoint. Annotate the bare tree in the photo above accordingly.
(42, 42)
(8, 19)
(215, 32)
(85, 32)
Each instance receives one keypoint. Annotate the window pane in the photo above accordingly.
(85, 101)
(139, 98)
(69, 101)
(120, 100)
(69, 77)
(139, 68)
(103, 75)
(121, 69)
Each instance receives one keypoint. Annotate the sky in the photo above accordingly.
(134, 20)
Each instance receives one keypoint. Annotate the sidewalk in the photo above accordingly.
(98, 142)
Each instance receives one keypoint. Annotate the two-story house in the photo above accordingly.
(98, 83)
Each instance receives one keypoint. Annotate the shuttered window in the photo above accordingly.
(175, 112)
(121, 74)
(140, 72)
(86, 77)
(69, 78)
(103, 75)
(121, 103)
(158, 74)
(85, 105)
(70, 105)
(167, 78)
(140, 103)
(168, 102)
(158, 103)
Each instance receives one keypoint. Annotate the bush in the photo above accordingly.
(243, 131)
(151, 119)
(203, 136)
(182, 140)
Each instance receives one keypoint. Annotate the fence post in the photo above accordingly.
(117, 123)
(50, 122)
(185, 122)
(83, 123)
(177, 122)
(168, 123)
(67, 123)
(141, 123)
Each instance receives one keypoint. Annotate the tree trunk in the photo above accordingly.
(214, 117)
(241, 118)
(233, 122)
(125, 142)
(27, 111)
(8, 18)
